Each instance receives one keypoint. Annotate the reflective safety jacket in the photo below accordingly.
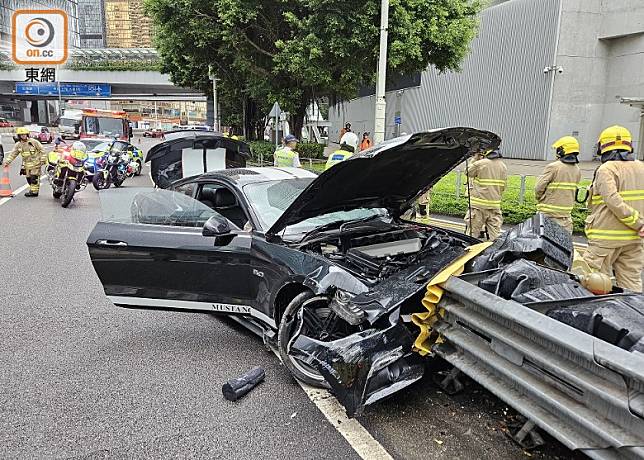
(616, 204)
(286, 157)
(32, 154)
(556, 189)
(488, 178)
(337, 157)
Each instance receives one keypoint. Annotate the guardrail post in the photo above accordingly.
(522, 191)
(310, 163)
(458, 184)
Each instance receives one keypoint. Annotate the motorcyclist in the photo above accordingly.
(33, 158)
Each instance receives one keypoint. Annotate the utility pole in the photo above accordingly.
(381, 104)
(215, 118)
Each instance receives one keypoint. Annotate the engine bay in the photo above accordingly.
(380, 249)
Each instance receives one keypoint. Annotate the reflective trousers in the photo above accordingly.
(565, 222)
(489, 220)
(627, 262)
(33, 179)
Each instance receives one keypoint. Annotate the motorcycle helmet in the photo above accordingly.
(79, 151)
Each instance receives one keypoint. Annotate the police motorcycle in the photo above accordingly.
(112, 168)
(67, 176)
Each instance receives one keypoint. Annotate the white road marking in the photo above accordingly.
(18, 191)
(355, 434)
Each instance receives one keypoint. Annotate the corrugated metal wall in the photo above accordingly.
(502, 86)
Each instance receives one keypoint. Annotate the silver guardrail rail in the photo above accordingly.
(585, 392)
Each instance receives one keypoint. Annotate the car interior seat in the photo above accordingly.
(226, 205)
(208, 197)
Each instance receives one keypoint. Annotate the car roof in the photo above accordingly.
(243, 176)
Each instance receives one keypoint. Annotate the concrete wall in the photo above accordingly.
(502, 86)
(601, 48)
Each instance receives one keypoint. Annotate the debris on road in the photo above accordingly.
(234, 389)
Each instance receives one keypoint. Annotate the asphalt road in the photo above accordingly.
(83, 378)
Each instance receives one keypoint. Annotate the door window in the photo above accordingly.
(187, 189)
(221, 199)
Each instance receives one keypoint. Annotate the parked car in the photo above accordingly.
(4, 123)
(153, 133)
(325, 269)
(45, 136)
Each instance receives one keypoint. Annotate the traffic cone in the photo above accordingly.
(5, 185)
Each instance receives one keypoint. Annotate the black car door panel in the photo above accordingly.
(174, 267)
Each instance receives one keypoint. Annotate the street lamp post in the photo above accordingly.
(381, 104)
(215, 120)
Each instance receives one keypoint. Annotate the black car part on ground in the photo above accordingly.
(568, 361)
(167, 157)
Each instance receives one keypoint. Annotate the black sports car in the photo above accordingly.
(309, 262)
(324, 268)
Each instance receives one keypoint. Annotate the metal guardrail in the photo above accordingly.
(583, 391)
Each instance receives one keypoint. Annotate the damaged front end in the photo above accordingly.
(364, 367)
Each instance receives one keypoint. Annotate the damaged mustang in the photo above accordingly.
(327, 270)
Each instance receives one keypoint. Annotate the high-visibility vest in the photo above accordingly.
(337, 157)
(616, 204)
(284, 157)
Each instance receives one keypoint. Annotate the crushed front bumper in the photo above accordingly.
(364, 367)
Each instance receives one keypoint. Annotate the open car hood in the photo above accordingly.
(390, 175)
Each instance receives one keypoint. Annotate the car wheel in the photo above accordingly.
(310, 315)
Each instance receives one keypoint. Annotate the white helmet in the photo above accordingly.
(79, 146)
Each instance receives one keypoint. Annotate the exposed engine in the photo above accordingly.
(376, 254)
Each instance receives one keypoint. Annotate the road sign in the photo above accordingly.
(275, 111)
(397, 119)
(66, 89)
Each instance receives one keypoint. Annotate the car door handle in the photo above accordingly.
(111, 243)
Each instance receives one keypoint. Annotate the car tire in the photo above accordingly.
(290, 325)
(284, 336)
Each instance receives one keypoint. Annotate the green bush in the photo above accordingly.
(262, 148)
(444, 201)
(310, 150)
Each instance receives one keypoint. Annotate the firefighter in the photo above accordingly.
(556, 188)
(339, 155)
(615, 226)
(33, 158)
(487, 178)
(287, 156)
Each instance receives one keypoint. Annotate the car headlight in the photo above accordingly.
(342, 305)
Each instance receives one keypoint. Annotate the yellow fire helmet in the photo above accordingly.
(22, 130)
(565, 146)
(614, 138)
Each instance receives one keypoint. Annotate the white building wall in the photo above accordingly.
(601, 48)
(501, 88)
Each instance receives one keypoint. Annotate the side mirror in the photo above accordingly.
(217, 225)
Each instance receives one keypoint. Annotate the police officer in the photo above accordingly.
(557, 187)
(287, 156)
(487, 177)
(615, 226)
(33, 158)
(342, 154)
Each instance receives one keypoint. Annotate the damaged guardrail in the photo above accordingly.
(584, 392)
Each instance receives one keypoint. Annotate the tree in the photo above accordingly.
(295, 51)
